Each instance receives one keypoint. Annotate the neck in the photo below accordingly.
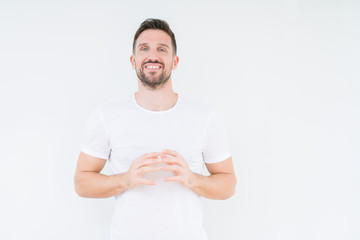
(159, 99)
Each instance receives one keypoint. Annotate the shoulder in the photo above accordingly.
(197, 111)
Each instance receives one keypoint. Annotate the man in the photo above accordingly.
(156, 143)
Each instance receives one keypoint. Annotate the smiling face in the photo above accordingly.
(154, 58)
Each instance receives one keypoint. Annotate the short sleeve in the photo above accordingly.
(216, 147)
(96, 142)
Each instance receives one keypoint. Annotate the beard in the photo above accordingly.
(151, 80)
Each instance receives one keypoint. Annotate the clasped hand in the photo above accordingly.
(145, 163)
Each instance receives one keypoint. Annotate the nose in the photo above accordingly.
(153, 55)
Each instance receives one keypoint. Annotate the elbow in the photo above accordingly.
(230, 190)
(78, 191)
(227, 195)
(78, 186)
(232, 187)
(233, 184)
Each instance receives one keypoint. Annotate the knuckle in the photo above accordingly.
(144, 170)
(151, 154)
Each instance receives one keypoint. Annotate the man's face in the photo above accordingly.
(153, 58)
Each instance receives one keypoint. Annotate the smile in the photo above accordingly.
(151, 66)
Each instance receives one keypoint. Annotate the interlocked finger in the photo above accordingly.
(146, 159)
(172, 160)
(175, 168)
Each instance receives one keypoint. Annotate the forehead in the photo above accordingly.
(154, 36)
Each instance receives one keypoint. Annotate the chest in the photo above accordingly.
(134, 136)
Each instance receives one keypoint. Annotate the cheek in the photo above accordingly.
(136, 65)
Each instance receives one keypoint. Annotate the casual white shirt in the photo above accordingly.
(121, 131)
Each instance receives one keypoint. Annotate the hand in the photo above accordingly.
(140, 166)
(178, 165)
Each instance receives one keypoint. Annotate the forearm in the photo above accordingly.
(97, 185)
(216, 186)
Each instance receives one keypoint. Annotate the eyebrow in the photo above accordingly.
(161, 44)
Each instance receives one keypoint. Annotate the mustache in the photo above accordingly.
(153, 62)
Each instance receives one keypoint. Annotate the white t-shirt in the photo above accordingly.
(121, 131)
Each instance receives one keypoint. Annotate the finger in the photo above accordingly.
(150, 155)
(145, 181)
(147, 162)
(174, 168)
(153, 155)
(172, 160)
(172, 179)
(171, 152)
(143, 170)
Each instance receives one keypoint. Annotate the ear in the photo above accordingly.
(175, 62)
(132, 60)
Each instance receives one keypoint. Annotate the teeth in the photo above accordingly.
(152, 66)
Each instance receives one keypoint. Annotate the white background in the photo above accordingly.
(284, 73)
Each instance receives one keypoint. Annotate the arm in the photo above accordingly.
(220, 184)
(89, 182)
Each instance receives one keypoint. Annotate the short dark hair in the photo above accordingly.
(153, 23)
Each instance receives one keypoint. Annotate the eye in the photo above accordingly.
(144, 49)
(162, 50)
